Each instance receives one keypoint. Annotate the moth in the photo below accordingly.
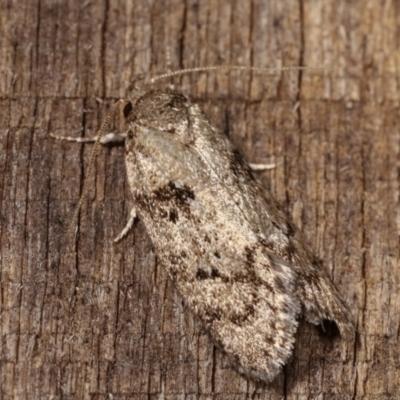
(236, 259)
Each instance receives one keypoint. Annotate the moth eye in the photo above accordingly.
(127, 109)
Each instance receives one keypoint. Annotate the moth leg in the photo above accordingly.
(261, 167)
(128, 226)
(106, 139)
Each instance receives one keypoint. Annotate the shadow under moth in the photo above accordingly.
(235, 258)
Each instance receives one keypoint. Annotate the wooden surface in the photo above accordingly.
(94, 320)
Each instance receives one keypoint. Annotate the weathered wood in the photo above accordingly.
(91, 319)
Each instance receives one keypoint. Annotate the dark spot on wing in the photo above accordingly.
(172, 192)
(249, 251)
(173, 216)
(165, 201)
(202, 274)
(215, 273)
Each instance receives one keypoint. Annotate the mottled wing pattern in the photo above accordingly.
(237, 262)
(319, 298)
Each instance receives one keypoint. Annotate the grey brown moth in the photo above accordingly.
(235, 258)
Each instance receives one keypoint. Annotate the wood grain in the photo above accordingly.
(88, 319)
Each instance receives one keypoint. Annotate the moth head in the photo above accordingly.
(160, 110)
